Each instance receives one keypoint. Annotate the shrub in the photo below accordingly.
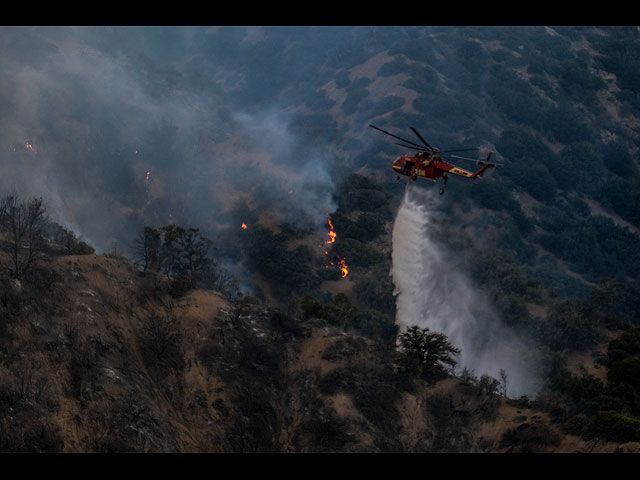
(374, 324)
(375, 388)
(529, 437)
(623, 362)
(614, 426)
(347, 348)
(180, 286)
(160, 342)
(38, 436)
(576, 425)
(450, 423)
(328, 433)
(570, 325)
(358, 253)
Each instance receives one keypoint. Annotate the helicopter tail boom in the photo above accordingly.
(485, 165)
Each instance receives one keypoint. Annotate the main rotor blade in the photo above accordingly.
(477, 160)
(422, 149)
(461, 150)
(395, 136)
(421, 139)
(466, 158)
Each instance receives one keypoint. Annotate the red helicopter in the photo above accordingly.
(428, 163)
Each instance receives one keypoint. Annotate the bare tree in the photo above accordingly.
(148, 248)
(194, 251)
(503, 382)
(22, 222)
(224, 280)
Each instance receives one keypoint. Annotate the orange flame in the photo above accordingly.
(343, 268)
(244, 226)
(341, 264)
(147, 179)
(332, 234)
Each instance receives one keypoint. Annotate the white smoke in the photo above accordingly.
(298, 178)
(433, 293)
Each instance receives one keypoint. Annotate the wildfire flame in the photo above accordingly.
(341, 264)
(147, 179)
(332, 234)
(343, 268)
(244, 226)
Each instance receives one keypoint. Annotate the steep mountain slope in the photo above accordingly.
(101, 358)
(165, 119)
(214, 128)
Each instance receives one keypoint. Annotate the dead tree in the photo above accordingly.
(22, 223)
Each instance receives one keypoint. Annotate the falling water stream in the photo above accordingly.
(431, 292)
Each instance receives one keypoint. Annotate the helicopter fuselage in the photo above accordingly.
(427, 163)
(428, 166)
(412, 166)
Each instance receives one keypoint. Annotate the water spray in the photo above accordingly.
(431, 292)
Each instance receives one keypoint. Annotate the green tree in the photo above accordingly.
(618, 159)
(570, 324)
(623, 362)
(426, 353)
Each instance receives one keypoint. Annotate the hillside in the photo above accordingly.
(252, 238)
(103, 359)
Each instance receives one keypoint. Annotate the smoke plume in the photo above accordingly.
(432, 293)
(118, 128)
